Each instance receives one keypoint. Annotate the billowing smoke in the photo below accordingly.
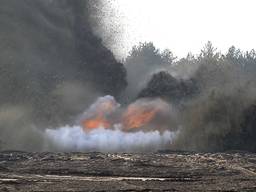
(108, 140)
(143, 61)
(52, 66)
(215, 100)
(99, 128)
(220, 116)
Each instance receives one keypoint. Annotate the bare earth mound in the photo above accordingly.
(172, 171)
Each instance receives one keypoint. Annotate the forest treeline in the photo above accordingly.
(53, 66)
(214, 92)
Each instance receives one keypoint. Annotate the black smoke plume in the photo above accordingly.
(215, 97)
(52, 65)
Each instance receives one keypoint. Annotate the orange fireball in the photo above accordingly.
(105, 114)
(95, 123)
(97, 115)
(138, 116)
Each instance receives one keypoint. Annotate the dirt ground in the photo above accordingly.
(163, 171)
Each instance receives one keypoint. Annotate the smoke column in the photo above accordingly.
(52, 67)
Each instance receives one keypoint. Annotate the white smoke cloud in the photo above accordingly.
(105, 105)
(115, 139)
(108, 140)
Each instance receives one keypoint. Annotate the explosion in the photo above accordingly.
(97, 115)
(96, 123)
(137, 115)
(103, 128)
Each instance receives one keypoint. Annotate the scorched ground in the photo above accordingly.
(163, 171)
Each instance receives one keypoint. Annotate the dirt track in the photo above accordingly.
(172, 171)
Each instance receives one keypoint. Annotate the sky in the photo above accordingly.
(185, 26)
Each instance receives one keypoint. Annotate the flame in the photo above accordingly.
(95, 123)
(106, 107)
(98, 115)
(138, 116)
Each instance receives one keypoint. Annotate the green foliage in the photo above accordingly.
(221, 117)
(147, 53)
(216, 91)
